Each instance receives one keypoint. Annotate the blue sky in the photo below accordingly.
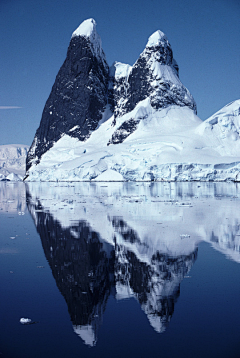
(34, 37)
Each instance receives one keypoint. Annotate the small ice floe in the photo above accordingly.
(26, 321)
(12, 237)
(21, 213)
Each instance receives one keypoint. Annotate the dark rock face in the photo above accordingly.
(77, 100)
(143, 82)
(124, 131)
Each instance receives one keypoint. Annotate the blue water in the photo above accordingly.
(57, 269)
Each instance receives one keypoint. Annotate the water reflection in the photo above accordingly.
(82, 268)
(129, 240)
(12, 197)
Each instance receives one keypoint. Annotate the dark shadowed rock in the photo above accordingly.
(78, 97)
(155, 75)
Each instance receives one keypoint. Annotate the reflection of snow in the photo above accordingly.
(123, 291)
(13, 161)
(12, 198)
(86, 333)
(159, 213)
(144, 238)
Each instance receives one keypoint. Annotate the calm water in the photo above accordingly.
(120, 270)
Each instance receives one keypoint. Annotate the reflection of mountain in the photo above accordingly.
(155, 281)
(82, 268)
(226, 238)
(130, 241)
(12, 197)
(87, 269)
(156, 286)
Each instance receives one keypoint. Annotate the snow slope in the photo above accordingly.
(13, 161)
(171, 144)
(223, 129)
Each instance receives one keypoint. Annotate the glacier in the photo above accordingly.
(13, 161)
(129, 123)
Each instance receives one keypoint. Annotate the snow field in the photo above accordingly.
(172, 144)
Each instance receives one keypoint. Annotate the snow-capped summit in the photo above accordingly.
(87, 29)
(156, 39)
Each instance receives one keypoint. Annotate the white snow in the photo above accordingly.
(120, 70)
(109, 175)
(170, 144)
(14, 177)
(25, 320)
(156, 39)
(223, 129)
(165, 73)
(88, 30)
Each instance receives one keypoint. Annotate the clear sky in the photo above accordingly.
(35, 34)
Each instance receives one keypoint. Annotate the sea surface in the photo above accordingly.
(120, 270)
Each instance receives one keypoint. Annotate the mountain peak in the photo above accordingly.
(156, 39)
(87, 29)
